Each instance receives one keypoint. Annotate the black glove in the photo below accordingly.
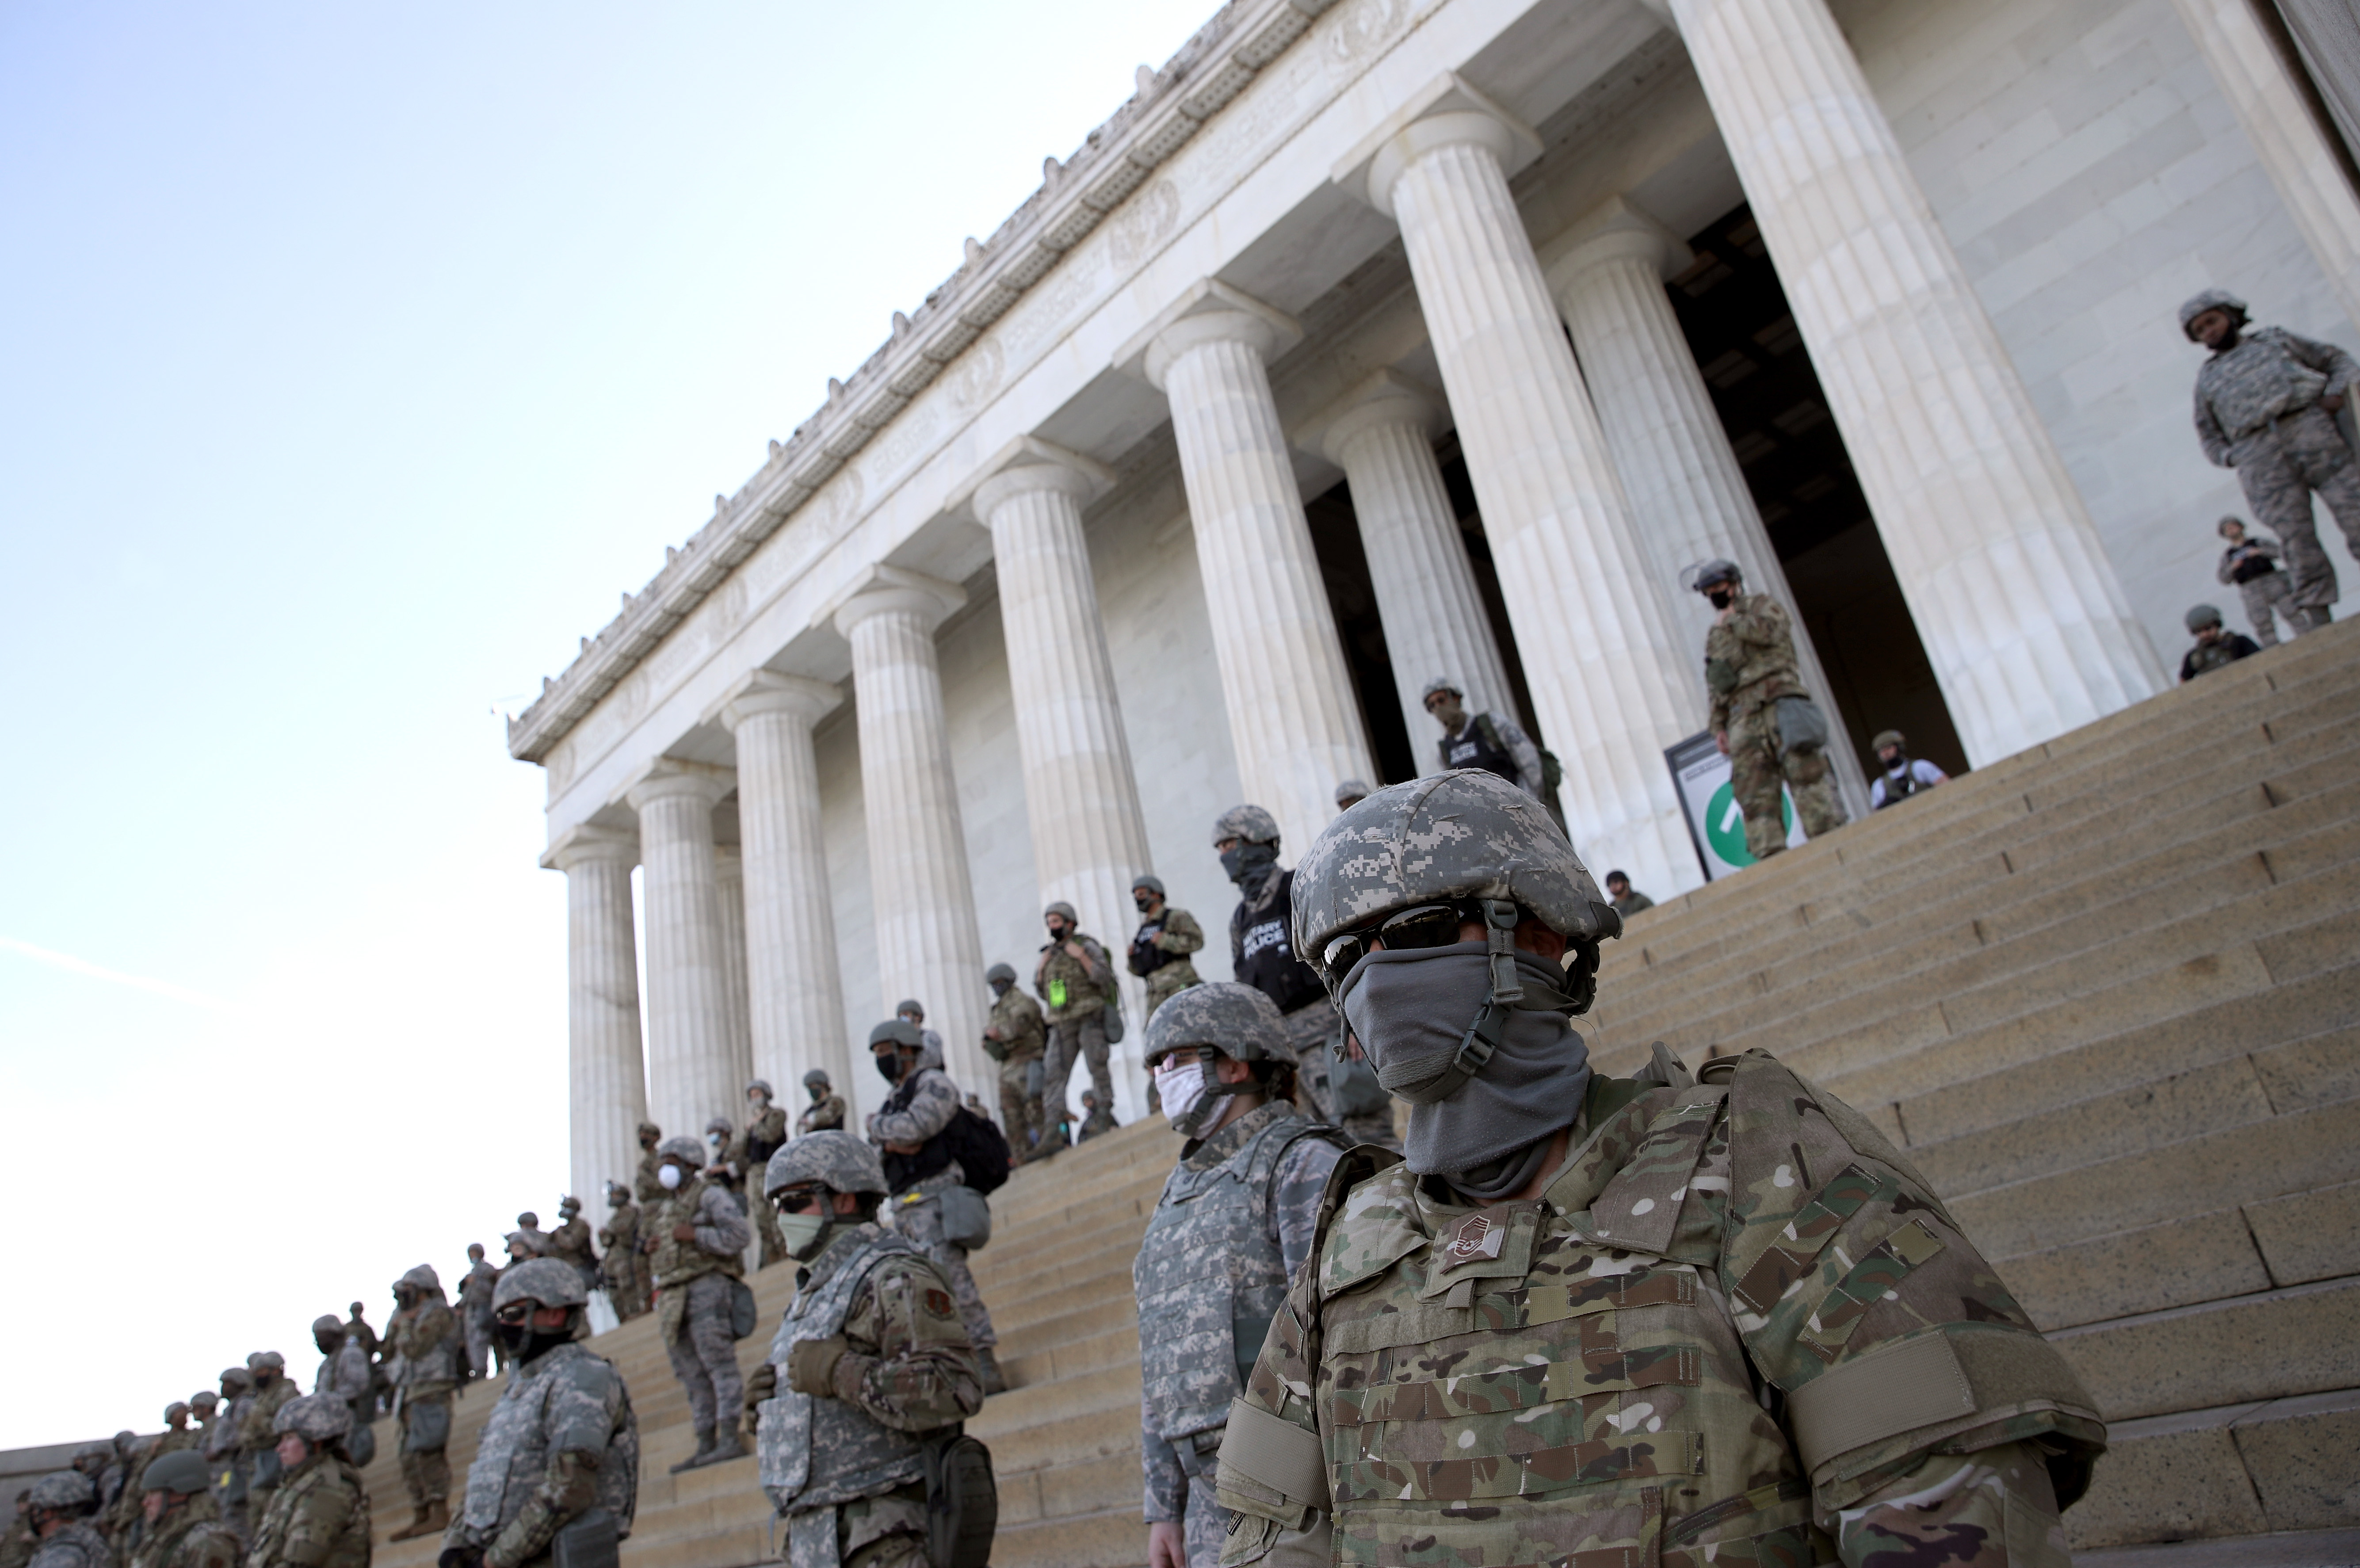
(461, 1557)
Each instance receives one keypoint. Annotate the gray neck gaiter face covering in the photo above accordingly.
(1411, 1010)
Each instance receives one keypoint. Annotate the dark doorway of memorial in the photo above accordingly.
(1736, 316)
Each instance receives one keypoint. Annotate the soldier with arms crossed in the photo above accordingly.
(1597, 1321)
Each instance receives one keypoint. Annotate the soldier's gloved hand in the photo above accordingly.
(762, 1383)
(461, 1557)
(811, 1366)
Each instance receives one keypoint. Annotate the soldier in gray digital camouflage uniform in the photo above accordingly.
(344, 1373)
(1234, 1221)
(1017, 1039)
(694, 1241)
(2266, 406)
(826, 1108)
(919, 1169)
(272, 1388)
(58, 1508)
(870, 1368)
(560, 1444)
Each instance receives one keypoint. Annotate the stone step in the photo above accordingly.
(1096, 1353)
(1114, 1310)
(2192, 1357)
(1097, 1429)
(2229, 1470)
(1112, 1538)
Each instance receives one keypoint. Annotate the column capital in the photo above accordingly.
(1209, 311)
(1445, 112)
(668, 778)
(1024, 466)
(1615, 230)
(881, 589)
(768, 692)
(587, 841)
(1384, 397)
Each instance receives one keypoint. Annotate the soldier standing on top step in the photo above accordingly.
(825, 1112)
(1234, 1222)
(475, 1310)
(870, 1368)
(623, 1270)
(646, 1187)
(424, 1336)
(694, 1241)
(1017, 1039)
(1751, 670)
(1563, 1313)
(570, 1242)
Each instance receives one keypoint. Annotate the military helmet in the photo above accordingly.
(897, 1031)
(833, 1159)
(548, 1280)
(177, 1409)
(125, 1441)
(534, 1242)
(1715, 573)
(2202, 615)
(991, 976)
(1249, 824)
(269, 1358)
(569, 1204)
(683, 1149)
(1351, 790)
(314, 1418)
(721, 1125)
(2223, 526)
(816, 1079)
(2209, 300)
(762, 1083)
(1236, 1020)
(236, 1378)
(1062, 907)
(1439, 683)
(62, 1491)
(909, 1005)
(327, 1325)
(421, 1278)
(1465, 835)
(1893, 738)
(204, 1399)
(649, 1130)
(1152, 884)
(183, 1471)
(95, 1455)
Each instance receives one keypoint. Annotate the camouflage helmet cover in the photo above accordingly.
(685, 1150)
(998, 973)
(92, 1456)
(909, 1005)
(1893, 738)
(1464, 834)
(1151, 883)
(183, 1471)
(2202, 615)
(1236, 1020)
(63, 1490)
(721, 1125)
(1715, 573)
(1439, 683)
(534, 1243)
(269, 1358)
(314, 1418)
(548, 1280)
(1351, 790)
(1062, 907)
(421, 1278)
(816, 1079)
(833, 1157)
(204, 1399)
(529, 1220)
(177, 1411)
(327, 1325)
(569, 1204)
(236, 1378)
(762, 1083)
(1251, 824)
(2209, 300)
(897, 1031)
(649, 1130)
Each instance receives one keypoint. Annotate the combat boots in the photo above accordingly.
(426, 1519)
(725, 1447)
(704, 1451)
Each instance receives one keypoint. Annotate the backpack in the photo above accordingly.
(1551, 771)
(981, 1149)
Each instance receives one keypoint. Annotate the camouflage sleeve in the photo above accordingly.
(1528, 755)
(909, 1366)
(1163, 1483)
(1181, 933)
(2339, 368)
(2209, 433)
(1992, 1508)
(569, 1488)
(721, 1230)
(930, 1110)
(204, 1548)
(1294, 1192)
(316, 1521)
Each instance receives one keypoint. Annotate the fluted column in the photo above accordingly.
(2014, 598)
(692, 1063)
(2293, 149)
(1688, 495)
(926, 941)
(729, 893)
(606, 1076)
(1603, 660)
(795, 990)
(1293, 722)
(1381, 435)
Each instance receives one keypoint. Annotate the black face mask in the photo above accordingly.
(1248, 862)
(1720, 598)
(1144, 905)
(889, 1067)
(999, 989)
(524, 1342)
(817, 1094)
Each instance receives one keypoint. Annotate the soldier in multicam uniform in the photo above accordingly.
(919, 1169)
(424, 1333)
(1234, 1221)
(2215, 647)
(124, 1525)
(623, 1269)
(1017, 1039)
(694, 1241)
(875, 1365)
(177, 1525)
(570, 1242)
(230, 1468)
(826, 1108)
(1262, 956)
(58, 1508)
(272, 1389)
(1594, 1320)
(17, 1542)
(536, 1238)
(475, 1310)
(319, 1518)
(647, 1188)
(114, 1481)
(749, 1153)
(2266, 406)
(1075, 981)
(560, 1444)
(1159, 948)
(1749, 665)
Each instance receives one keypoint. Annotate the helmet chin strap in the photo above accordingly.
(1491, 1023)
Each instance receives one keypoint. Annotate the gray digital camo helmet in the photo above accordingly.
(897, 1031)
(1236, 1020)
(1438, 684)
(833, 1159)
(2211, 300)
(1249, 824)
(1152, 884)
(549, 1281)
(266, 1359)
(685, 1150)
(909, 1005)
(182, 1471)
(204, 1399)
(721, 1125)
(1351, 790)
(762, 1083)
(328, 1325)
(1713, 573)
(62, 1491)
(816, 1079)
(314, 1418)
(999, 972)
(1463, 837)
(2202, 615)
(423, 1278)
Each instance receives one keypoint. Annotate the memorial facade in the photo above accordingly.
(1378, 340)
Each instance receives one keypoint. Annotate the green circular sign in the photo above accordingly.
(1724, 824)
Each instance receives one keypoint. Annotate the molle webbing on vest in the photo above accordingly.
(1277, 1453)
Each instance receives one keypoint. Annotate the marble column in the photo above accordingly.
(1602, 658)
(730, 892)
(927, 946)
(692, 1061)
(1295, 724)
(1089, 837)
(2288, 138)
(1381, 435)
(794, 989)
(2019, 607)
(1688, 493)
(606, 1075)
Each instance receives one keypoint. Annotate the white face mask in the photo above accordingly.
(668, 1176)
(1180, 1084)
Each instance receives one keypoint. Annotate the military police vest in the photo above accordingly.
(1209, 1277)
(1266, 958)
(1477, 746)
(555, 1402)
(813, 1452)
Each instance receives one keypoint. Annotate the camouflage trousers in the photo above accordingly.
(1019, 1102)
(766, 1224)
(888, 1530)
(426, 1473)
(705, 1355)
(2279, 466)
(1169, 982)
(1755, 773)
(921, 1225)
(479, 1345)
(2268, 597)
(1083, 1038)
(1206, 1522)
(1312, 1030)
(229, 1479)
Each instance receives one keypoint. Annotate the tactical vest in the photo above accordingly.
(437, 1364)
(1900, 785)
(1477, 746)
(1209, 1279)
(677, 1262)
(903, 1172)
(815, 1453)
(1146, 958)
(349, 1549)
(512, 1458)
(1266, 958)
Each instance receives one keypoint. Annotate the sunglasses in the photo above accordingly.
(514, 1312)
(1424, 925)
(795, 1200)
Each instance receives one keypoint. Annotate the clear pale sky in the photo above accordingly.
(354, 359)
